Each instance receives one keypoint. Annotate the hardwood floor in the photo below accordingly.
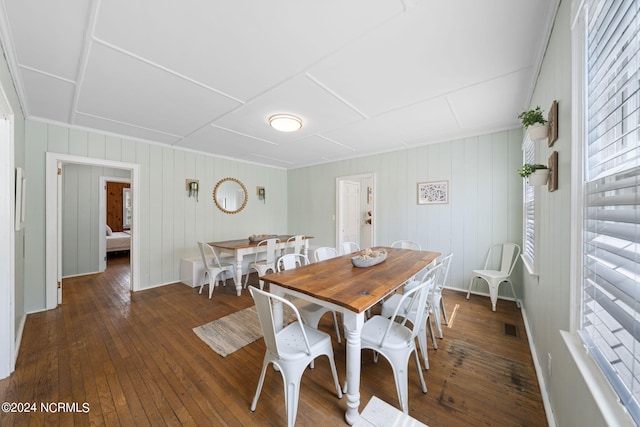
(133, 360)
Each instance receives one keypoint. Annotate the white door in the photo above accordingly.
(349, 212)
(59, 232)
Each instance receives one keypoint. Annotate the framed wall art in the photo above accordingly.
(433, 193)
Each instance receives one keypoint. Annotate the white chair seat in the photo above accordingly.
(488, 274)
(375, 328)
(291, 345)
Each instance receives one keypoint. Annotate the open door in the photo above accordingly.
(355, 210)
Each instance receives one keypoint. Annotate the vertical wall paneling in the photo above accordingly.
(475, 215)
(77, 142)
(34, 233)
(83, 218)
(186, 163)
(156, 210)
(70, 219)
(179, 193)
(459, 209)
(113, 148)
(170, 265)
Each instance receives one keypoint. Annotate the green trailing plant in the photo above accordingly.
(528, 169)
(531, 117)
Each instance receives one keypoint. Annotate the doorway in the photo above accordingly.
(355, 210)
(53, 267)
(113, 211)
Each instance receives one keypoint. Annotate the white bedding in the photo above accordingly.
(118, 241)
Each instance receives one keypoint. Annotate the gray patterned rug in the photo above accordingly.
(231, 332)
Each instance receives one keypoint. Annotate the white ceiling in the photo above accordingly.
(365, 76)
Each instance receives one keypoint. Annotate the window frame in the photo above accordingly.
(604, 395)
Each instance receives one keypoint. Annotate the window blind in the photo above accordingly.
(610, 315)
(528, 250)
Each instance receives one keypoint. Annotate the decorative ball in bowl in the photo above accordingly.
(369, 257)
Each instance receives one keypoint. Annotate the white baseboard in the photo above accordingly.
(536, 364)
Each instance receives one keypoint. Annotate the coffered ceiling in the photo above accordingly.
(365, 76)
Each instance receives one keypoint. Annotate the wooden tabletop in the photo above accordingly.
(246, 243)
(337, 281)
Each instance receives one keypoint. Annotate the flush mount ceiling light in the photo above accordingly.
(285, 122)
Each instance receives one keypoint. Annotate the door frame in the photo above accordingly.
(8, 352)
(359, 177)
(53, 283)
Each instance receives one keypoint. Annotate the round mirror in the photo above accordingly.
(230, 195)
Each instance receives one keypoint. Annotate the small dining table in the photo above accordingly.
(337, 284)
(242, 247)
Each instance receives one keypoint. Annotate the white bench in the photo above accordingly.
(192, 270)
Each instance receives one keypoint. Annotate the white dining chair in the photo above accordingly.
(324, 252)
(290, 349)
(508, 254)
(298, 244)
(406, 244)
(263, 266)
(435, 297)
(394, 337)
(390, 306)
(311, 313)
(213, 267)
(349, 248)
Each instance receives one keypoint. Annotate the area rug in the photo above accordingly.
(232, 332)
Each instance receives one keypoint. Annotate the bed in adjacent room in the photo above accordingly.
(118, 240)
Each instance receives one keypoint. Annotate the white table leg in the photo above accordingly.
(353, 323)
(305, 248)
(239, 273)
(278, 312)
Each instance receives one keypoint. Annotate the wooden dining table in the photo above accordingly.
(243, 247)
(337, 284)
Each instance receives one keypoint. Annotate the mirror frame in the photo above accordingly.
(237, 181)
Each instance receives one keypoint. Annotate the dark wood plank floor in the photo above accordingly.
(134, 360)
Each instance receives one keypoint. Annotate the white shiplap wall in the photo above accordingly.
(171, 222)
(485, 198)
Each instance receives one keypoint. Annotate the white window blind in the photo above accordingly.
(610, 315)
(528, 250)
